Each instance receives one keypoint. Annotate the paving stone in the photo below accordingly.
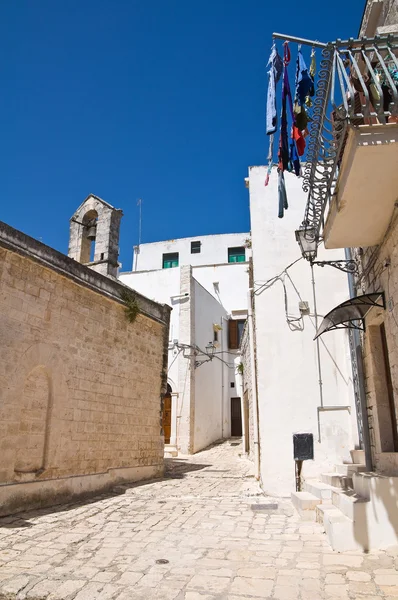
(335, 578)
(358, 576)
(336, 591)
(285, 592)
(90, 591)
(258, 573)
(202, 523)
(16, 584)
(209, 583)
(259, 588)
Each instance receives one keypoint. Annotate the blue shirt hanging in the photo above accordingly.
(303, 80)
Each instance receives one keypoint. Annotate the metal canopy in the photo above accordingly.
(351, 313)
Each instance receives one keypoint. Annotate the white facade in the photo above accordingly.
(203, 296)
(288, 380)
(213, 251)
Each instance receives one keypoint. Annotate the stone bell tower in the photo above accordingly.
(94, 235)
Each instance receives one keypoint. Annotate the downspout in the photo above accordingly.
(256, 436)
(356, 355)
(222, 381)
(318, 353)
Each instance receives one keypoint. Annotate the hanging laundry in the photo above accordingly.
(274, 74)
(269, 159)
(312, 72)
(303, 88)
(283, 153)
(303, 79)
(283, 205)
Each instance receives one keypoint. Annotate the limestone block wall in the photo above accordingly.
(379, 272)
(80, 386)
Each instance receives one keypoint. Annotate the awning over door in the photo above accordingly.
(351, 313)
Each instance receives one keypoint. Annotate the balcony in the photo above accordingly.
(351, 174)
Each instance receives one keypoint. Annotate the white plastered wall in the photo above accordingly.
(211, 378)
(203, 404)
(213, 250)
(288, 378)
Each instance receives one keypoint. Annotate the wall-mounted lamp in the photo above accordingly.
(308, 240)
(210, 349)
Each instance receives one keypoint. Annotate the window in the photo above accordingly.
(215, 336)
(232, 384)
(170, 260)
(195, 247)
(235, 331)
(236, 254)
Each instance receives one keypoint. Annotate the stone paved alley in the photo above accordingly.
(201, 519)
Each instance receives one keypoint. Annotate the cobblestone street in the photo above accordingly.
(203, 532)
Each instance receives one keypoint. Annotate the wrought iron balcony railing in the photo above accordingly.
(357, 85)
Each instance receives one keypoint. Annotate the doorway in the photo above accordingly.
(383, 389)
(167, 415)
(236, 417)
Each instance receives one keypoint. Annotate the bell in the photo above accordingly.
(92, 232)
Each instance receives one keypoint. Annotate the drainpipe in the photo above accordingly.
(356, 355)
(222, 380)
(318, 353)
(253, 385)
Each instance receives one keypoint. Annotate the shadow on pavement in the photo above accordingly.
(175, 468)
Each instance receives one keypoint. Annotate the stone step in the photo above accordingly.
(321, 509)
(350, 504)
(323, 491)
(337, 480)
(340, 531)
(305, 504)
(349, 469)
(358, 457)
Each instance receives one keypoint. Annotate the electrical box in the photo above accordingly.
(303, 446)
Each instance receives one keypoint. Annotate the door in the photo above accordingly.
(236, 418)
(167, 418)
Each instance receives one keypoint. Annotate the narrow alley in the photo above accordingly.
(203, 532)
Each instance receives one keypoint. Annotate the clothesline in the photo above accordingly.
(293, 111)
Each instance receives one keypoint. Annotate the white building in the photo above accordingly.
(205, 279)
(296, 392)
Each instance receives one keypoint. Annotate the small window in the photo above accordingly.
(232, 384)
(195, 247)
(236, 254)
(235, 331)
(170, 260)
(215, 336)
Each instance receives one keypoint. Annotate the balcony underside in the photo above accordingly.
(366, 190)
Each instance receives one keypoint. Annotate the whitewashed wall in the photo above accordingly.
(211, 387)
(214, 250)
(288, 388)
(210, 377)
(233, 284)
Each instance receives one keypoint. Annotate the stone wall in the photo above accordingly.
(80, 386)
(380, 17)
(379, 272)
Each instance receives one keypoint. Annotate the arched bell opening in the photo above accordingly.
(90, 221)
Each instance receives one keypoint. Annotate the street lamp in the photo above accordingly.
(308, 241)
(210, 349)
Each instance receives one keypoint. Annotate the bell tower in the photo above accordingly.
(94, 235)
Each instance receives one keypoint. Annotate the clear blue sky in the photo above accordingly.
(159, 99)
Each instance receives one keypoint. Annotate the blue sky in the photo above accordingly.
(160, 99)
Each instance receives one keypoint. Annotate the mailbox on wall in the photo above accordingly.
(303, 446)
